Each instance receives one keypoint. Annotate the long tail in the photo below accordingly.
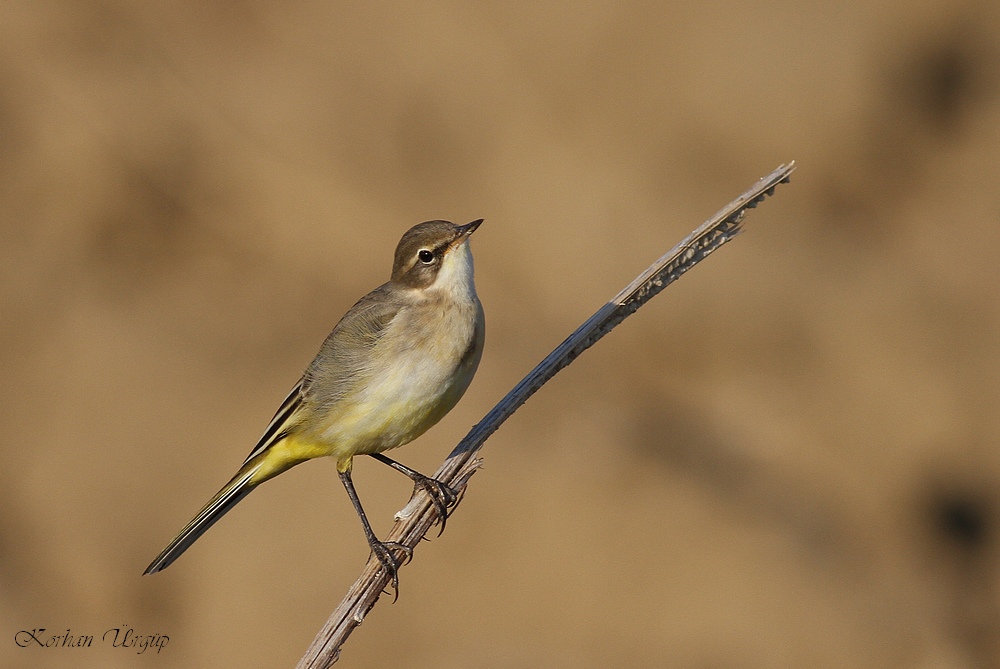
(239, 487)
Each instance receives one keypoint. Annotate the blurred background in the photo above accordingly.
(788, 459)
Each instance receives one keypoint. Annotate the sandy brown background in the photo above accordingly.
(787, 460)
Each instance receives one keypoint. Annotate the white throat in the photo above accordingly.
(455, 278)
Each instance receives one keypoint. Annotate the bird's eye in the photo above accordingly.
(426, 257)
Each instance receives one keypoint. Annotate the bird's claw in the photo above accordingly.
(441, 494)
(382, 550)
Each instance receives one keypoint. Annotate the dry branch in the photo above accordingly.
(416, 519)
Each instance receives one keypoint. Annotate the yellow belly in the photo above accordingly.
(394, 408)
(413, 378)
(391, 410)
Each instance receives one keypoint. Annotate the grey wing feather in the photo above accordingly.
(346, 354)
(334, 370)
(276, 429)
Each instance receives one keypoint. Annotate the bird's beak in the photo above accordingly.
(468, 229)
(462, 233)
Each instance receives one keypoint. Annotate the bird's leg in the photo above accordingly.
(441, 494)
(382, 550)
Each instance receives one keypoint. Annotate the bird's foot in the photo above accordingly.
(441, 494)
(383, 552)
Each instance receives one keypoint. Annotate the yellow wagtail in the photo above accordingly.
(394, 365)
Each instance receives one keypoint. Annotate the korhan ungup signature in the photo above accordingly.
(117, 637)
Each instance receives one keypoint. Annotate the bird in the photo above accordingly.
(396, 363)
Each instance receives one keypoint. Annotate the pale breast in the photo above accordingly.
(418, 371)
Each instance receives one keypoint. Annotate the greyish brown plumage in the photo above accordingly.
(398, 361)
